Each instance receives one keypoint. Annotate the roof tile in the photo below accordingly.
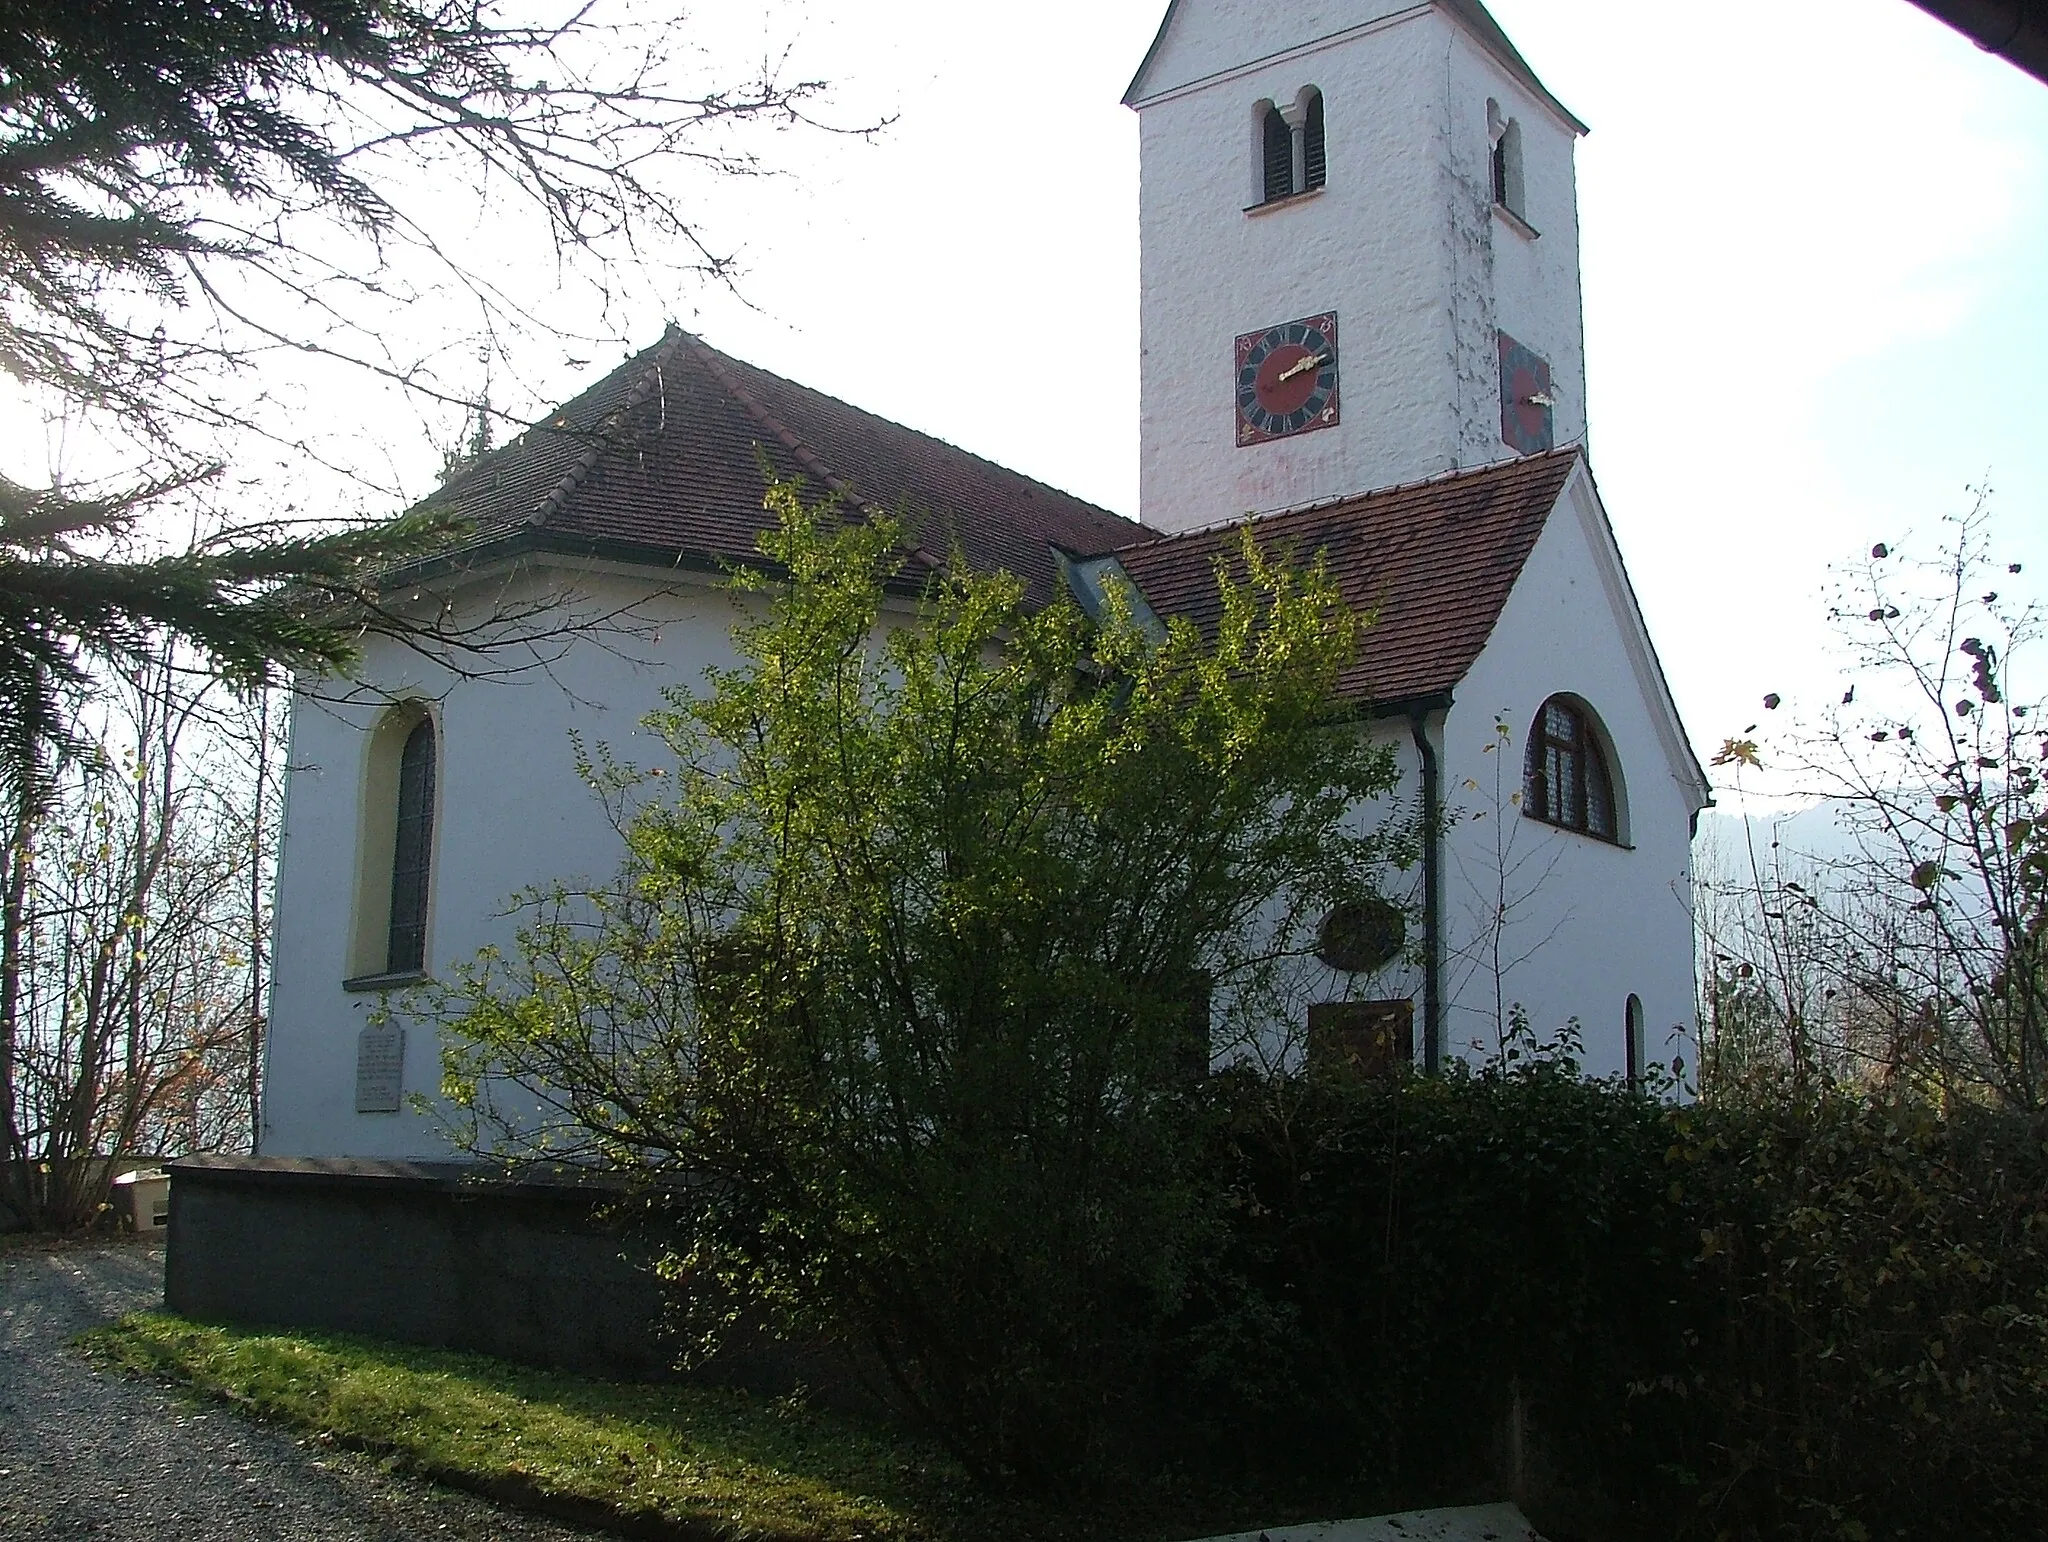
(1433, 561)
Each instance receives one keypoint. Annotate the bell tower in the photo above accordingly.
(1359, 253)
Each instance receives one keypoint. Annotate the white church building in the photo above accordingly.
(1360, 326)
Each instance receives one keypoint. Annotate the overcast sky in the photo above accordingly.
(1815, 238)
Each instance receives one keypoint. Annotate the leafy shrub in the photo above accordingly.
(910, 974)
(1868, 1310)
(1413, 1260)
(1820, 1317)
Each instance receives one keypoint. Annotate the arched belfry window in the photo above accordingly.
(412, 852)
(1567, 780)
(1293, 156)
(1315, 163)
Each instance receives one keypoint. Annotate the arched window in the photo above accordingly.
(1277, 146)
(412, 851)
(1632, 1028)
(1566, 779)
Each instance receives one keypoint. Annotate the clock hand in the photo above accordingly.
(1302, 365)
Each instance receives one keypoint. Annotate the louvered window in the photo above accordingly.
(1279, 153)
(1508, 190)
(1567, 781)
(412, 852)
(1314, 162)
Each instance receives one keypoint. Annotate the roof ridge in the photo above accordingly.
(787, 437)
(558, 496)
(866, 412)
(806, 456)
(1576, 448)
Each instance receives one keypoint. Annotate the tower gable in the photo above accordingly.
(1196, 40)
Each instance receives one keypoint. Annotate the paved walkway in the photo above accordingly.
(85, 1454)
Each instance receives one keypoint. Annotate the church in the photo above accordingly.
(1360, 329)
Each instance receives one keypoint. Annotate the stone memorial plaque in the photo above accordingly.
(380, 1070)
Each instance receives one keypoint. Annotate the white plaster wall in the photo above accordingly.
(1278, 1039)
(1588, 921)
(511, 812)
(1401, 243)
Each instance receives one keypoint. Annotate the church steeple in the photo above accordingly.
(1359, 233)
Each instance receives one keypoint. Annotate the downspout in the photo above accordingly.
(1432, 895)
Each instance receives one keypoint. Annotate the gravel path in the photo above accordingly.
(85, 1454)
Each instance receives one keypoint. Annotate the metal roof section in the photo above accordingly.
(1471, 15)
(1089, 580)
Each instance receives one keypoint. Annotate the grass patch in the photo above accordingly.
(668, 1461)
(652, 1460)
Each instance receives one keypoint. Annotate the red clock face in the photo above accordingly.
(1527, 421)
(1287, 379)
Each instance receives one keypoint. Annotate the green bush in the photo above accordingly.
(910, 978)
(1412, 1259)
(1868, 1315)
(1785, 1317)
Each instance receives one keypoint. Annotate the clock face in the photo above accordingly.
(1527, 419)
(1287, 379)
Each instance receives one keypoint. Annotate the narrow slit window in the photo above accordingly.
(1508, 191)
(1632, 1027)
(412, 852)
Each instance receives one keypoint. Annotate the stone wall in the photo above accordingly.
(441, 1253)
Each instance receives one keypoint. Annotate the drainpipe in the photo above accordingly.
(1432, 895)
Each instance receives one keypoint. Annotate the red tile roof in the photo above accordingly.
(663, 461)
(1434, 559)
(665, 456)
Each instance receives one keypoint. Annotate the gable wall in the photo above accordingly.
(1207, 36)
(1588, 922)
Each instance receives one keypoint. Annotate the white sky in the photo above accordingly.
(1813, 234)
